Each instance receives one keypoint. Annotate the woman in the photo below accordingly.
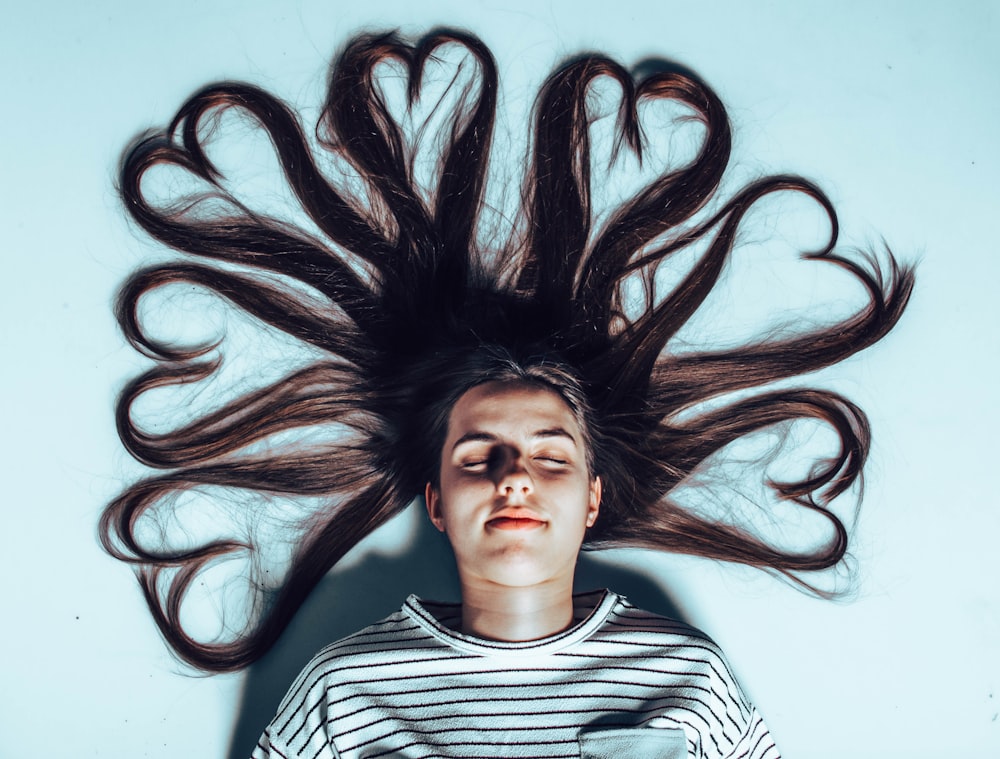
(521, 667)
(427, 314)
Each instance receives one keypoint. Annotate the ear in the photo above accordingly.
(432, 498)
(594, 503)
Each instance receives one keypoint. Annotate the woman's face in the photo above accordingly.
(515, 494)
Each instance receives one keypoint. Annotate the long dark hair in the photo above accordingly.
(409, 301)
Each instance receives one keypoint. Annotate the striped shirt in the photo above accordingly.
(620, 682)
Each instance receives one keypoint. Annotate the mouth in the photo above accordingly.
(515, 519)
(514, 523)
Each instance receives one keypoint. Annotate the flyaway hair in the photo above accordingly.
(407, 303)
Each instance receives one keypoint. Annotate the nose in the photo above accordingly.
(509, 473)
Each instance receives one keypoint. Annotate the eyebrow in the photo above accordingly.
(489, 437)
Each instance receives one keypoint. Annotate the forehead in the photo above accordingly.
(511, 410)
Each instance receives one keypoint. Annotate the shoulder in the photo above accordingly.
(632, 623)
(372, 645)
(675, 644)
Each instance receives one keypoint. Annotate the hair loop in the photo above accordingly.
(408, 309)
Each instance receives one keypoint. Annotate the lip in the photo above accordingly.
(515, 519)
(514, 523)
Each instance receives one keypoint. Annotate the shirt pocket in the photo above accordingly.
(645, 742)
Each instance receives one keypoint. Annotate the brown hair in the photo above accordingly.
(409, 308)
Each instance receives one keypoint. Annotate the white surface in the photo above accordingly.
(893, 107)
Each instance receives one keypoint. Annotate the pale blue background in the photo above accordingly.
(893, 106)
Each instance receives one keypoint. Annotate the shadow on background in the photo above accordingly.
(376, 586)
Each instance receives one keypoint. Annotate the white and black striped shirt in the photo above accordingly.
(620, 682)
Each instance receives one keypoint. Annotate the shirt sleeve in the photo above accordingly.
(756, 742)
(271, 746)
(300, 728)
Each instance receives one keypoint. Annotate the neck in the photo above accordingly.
(497, 612)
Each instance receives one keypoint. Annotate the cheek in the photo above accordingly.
(459, 497)
(575, 491)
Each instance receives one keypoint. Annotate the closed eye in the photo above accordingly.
(552, 461)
